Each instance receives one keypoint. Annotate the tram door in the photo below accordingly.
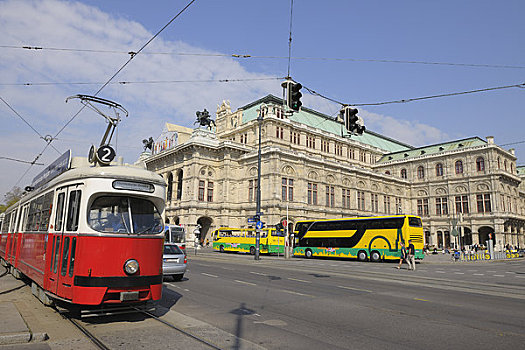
(62, 241)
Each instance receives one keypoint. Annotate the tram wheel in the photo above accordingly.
(361, 256)
(308, 253)
(221, 249)
(252, 250)
(375, 256)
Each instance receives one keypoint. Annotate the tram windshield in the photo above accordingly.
(120, 214)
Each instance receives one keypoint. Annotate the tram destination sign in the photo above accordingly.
(60, 165)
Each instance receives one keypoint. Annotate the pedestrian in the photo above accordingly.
(207, 242)
(403, 255)
(411, 259)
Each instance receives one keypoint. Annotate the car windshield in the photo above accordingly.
(119, 214)
(172, 250)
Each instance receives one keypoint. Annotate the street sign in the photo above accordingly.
(251, 220)
(260, 213)
(259, 225)
(285, 223)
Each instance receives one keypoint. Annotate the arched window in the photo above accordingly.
(439, 169)
(170, 187)
(480, 164)
(499, 163)
(511, 167)
(505, 164)
(420, 172)
(387, 172)
(179, 185)
(459, 167)
(403, 173)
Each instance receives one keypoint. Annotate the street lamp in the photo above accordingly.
(258, 201)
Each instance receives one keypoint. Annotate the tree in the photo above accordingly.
(11, 198)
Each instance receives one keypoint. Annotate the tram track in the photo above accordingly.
(100, 344)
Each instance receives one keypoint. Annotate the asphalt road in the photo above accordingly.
(342, 304)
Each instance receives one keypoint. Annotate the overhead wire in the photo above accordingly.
(133, 55)
(20, 161)
(289, 57)
(226, 80)
(313, 92)
(46, 138)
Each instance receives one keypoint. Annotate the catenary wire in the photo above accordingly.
(133, 55)
(313, 92)
(290, 39)
(371, 60)
(45, 138)
(226, 80)
(20, 161)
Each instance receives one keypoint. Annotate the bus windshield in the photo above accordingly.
(120, 214)
(174, 234)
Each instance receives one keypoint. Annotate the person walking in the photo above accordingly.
(411, 259)
(403, 255)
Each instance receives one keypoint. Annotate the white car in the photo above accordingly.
(174, 262)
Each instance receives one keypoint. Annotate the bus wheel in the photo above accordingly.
(252, 250)
(308, 253)
(375, 256)
(221, 249)
(361, 256)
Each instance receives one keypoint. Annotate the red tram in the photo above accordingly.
(88, 235)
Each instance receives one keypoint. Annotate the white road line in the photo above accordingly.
(510, 272)
(479, 274)
(295, 293)
(298, 280)
(243, 282)
(440, 272)
(459, 273)
(499, 275)
(209, 275)
(258, 273)
(360, 290)
(519, 276)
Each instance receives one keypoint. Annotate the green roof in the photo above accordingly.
(433, 149)
(521, 170)
(326, 123)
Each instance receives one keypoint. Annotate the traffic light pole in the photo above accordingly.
(258, 205)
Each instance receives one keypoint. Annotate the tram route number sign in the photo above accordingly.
(105, 154)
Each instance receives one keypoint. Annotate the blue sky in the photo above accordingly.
(327, 37)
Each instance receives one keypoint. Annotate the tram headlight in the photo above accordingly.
(131, 266)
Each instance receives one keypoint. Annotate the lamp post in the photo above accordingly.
(258, 202)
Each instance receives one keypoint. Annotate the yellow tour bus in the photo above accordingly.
(365, 238)
(227, 239)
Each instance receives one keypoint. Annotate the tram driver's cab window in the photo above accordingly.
(118, 214)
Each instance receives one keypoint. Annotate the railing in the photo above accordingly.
(484, 255)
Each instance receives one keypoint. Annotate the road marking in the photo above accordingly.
(420, 299)
(209, 275)
(259, 273)
(499, 275)
(519, 276)
(459, 273)
(440, 272)
(357, 289)
(479, 274)
(492, 271)
(243, 282)
(296, 293)
(510, 272)
(298, 280)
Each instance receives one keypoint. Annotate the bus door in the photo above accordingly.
(62, 241)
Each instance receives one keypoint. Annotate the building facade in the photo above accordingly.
(312, 169)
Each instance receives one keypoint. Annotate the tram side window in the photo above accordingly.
(45, 214)
(5, 225)
(33, 218)
(73, 210)
(65, 253)
(72, 258)
(59, 216)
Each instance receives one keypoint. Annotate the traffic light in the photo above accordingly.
(349, 115)
(293, 94)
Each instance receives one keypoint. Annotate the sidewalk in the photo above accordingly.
(15, 296)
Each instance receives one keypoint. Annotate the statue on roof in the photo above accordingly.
(204, 119)
(148, 144)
